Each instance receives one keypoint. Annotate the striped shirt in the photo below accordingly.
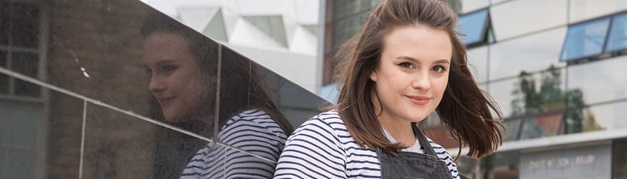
(252, 131)
(323, 148)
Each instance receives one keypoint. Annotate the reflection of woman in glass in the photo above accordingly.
(404, 64)
(183, 67)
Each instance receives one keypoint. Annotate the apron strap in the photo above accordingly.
(423, 141)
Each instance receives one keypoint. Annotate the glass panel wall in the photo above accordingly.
(585, 39)
(478, 63)
(115, 89)
(581, 10)
(472, 5)
(512, 18)
(531, 53)
(585, 79)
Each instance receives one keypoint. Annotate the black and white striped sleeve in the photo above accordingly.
(253, 131)
(313, 151)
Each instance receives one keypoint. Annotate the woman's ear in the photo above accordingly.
(373, 75)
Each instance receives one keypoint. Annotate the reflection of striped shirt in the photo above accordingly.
(323, 148)
(253, 131)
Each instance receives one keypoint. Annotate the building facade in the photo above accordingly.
(554, 69)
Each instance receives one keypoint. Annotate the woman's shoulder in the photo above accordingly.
(253, 120)
(329, 120)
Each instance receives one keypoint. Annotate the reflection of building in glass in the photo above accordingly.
(554, 68)
(280, 35)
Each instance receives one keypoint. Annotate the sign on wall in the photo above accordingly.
(580, 162)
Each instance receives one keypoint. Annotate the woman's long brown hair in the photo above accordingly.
(464, 108)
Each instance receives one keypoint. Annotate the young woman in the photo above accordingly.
(183, 69)
(405, 63)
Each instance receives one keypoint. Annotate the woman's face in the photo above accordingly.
(412, 72)
(176, 81)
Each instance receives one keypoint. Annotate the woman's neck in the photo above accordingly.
(400, 130)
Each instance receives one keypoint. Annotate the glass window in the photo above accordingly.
(581, 10)
(4, 79)
(499, 1)
(472, 5)
(530, 94)
(586, 79)
(599, 117)
(515, 18)
(4, 23)
(27, 64)
(512, 127)
(618, 34)
(474, 26)
(531, 53)
(541, 125)
(478, 63)
(25, 25)
(585, 39)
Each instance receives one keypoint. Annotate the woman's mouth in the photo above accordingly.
(419, 100)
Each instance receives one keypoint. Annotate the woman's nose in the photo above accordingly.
(156, 85)
(421, 81)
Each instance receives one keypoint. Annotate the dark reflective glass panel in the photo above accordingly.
(4, 79)
(4, 22)
(585, 39)
(474, 26)
(105, 54)
(618, 34)
(27, 64)
(249, 119)
(119, 145)
(25, 25)
(295, 102)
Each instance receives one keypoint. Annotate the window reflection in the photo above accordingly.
(474, 26)
(581, 10)
(531, 93)
(600, 117)
(210, 89)
(541, 125)
(618, 34)
(600, 81)
(478, 61)
(512, 127)
(516, 18)
(585, 40)
(530, 53)
(472, 5)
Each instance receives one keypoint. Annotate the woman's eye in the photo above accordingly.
(438, 69)
(167, 68)
(148, 71)
(406, 65)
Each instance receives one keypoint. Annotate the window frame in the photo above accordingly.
(605, 53)
(485, 31)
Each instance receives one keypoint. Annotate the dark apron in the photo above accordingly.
(410, 165)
